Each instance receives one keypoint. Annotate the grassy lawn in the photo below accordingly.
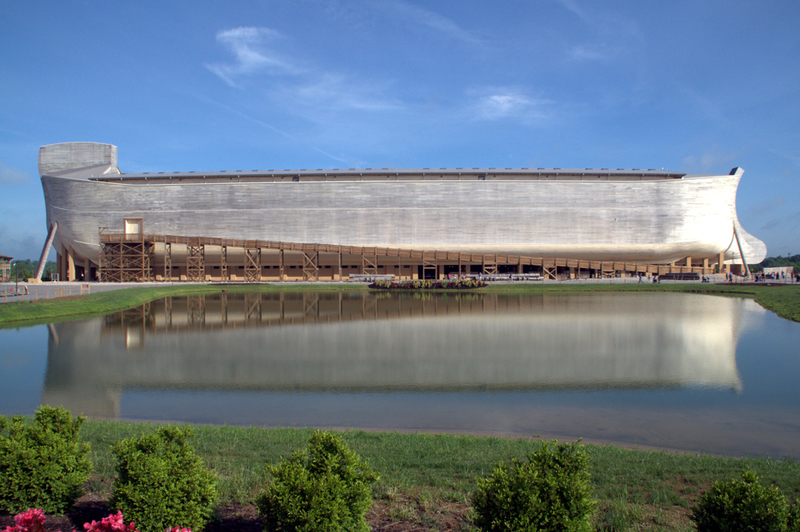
(25, 313)
(426, 480)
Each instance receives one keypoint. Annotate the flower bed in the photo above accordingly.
(428, 284)
(33, 521)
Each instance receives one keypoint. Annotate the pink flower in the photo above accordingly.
(30, 521)
(112, 523)
(176, 529)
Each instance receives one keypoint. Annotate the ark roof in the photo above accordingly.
(388, 174)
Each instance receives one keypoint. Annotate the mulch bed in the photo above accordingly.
(245, 518)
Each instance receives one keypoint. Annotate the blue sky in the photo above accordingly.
(695, 87)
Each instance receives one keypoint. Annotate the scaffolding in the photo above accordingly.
(128, 257)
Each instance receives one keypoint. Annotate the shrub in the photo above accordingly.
(793, 523)
(162, 482)
(549, 492)
(741, 505)
(324, 488)
(43, 464)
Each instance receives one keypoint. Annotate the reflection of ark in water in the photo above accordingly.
(636, 216)
(363, 342)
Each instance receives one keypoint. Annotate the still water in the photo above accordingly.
(675, 371)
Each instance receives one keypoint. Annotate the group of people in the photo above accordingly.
(773, 276)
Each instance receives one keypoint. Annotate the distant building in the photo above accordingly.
(5, 268)
(630, 216)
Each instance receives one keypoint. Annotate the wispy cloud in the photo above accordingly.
(576, 10)
(375, 12)
(597, 52)
(19, 243)
(499, 103)
(783, 222)
(251, 55)
(609, 37)
(271, 127)
(768, 206)
(336, 92)
(305, 90)
(711, 159)
(11, 176)
(708, 107)
(418, 16)
(789, 156)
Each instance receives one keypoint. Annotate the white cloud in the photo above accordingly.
(373, 13)
(335, 92)
(307, 91)
(586, 52)
(11, 176)
(709, 108)
(709, 160)
(250, 54)
(502, 103)
(608, 37)
(423, 17)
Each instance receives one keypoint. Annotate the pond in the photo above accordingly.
(674, 371)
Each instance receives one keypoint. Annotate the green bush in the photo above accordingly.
(549, 492)
(161, 482)
(324, 488)
(742, 505)
(44, 464)
(793, 523)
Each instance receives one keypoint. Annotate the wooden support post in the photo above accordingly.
(369, 264)
(311, 266)
(252, 265)
(195, 262)
(223, 263)
(70, 264)
(167, 261)
(489, 264)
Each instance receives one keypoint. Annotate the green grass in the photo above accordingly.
(25, 313)
(423, 474)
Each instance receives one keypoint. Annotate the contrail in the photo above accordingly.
(273, 128)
